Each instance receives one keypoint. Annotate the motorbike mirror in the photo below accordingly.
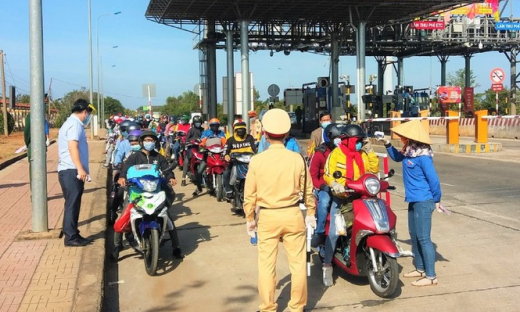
(391, 173)
(336, 174)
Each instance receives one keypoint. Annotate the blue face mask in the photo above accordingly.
(358, 146)
(136, 148)
(325, 124)
(149, 146)
(337, 141)
(124, 134)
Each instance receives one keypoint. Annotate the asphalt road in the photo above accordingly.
(477, 254)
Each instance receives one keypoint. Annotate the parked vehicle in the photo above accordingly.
(240, 162)
(369, 247)
(148, 215)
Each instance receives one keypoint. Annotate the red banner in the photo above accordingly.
(448, 95)
(468, 99)
(429, 25)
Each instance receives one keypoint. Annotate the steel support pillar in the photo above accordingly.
(246, 82)
(211, 52)
(381, 66)
(400, 71)
(230, 79)
(467, 69)
(361, 70)
(443, 59)
(512, 92)
(334, 60)
(38, 159)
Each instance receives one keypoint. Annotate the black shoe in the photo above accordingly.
(115, 252)
(317, 240)
(183, 183)
(229, 195)
(197, 191)
(76, 243)
(81, 238)
(177, 253)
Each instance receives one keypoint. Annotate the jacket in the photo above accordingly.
(236, 145)
(317, 166)
(210, 134)
(337, 162)
(315, 141)
(194, 134)
(420, 179)
(140, 158)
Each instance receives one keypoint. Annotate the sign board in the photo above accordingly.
(428, 25)
(507, 26)
(273, 90)
(497, 75)
(469, 99)
(497, 87)
(292, 97)
(448, 95)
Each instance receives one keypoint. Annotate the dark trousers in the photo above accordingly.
(72, 189)
(200, 173)
(186, 164)
(226, 176)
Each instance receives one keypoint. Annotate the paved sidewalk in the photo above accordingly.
(37, 273)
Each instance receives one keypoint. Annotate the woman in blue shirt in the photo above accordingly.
(422, 193)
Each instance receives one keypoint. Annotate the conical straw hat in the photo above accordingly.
(413, 130)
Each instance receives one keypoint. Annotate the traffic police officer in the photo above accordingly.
(275, 182)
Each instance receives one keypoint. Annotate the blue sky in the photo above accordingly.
(149, 52)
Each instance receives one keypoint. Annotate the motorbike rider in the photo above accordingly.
(240, 142)
(124, 148)
(183, 126)
(162, 124)
(353, 157)
(148, 155)
(322, 191)
(213, 132)
(318, 135)
(194, 133)
(121, 144)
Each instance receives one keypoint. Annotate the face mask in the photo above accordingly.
(241, 132)
(149, 146)
(87, 120)
(182, 122)
(214, 128)
(198, 124)
(337, 141)
(124, 134)
(136, 148)
(358, 146)
(325, 124)
(252, 119)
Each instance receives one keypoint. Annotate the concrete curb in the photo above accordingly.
(17, 158)
(90, 283)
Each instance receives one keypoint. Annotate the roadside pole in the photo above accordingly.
(38, 148)
(4, 106)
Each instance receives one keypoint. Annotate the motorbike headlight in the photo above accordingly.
(372, 186)
(149, 185)
(216, 150)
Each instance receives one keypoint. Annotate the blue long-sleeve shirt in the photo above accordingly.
(122, 149)
(420, 179)
(290, 144)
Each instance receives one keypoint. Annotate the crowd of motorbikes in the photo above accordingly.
(368, 248)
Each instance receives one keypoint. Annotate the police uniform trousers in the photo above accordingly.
(288, 224)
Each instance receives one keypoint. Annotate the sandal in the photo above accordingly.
(425, 282)
(415, 273)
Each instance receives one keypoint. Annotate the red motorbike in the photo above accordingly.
(215, 167)
(369, 247)
(197, 156)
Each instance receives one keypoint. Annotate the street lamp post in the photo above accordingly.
(101, 113)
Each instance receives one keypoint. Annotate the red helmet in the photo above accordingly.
(252, 114)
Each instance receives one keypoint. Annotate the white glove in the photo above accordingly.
(310, 221)
(251, 228)
(384, 140)
(47, 142)
(337, 188)
(367, 146)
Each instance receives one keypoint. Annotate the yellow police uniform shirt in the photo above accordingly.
(275, 179)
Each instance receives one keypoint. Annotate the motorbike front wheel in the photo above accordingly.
(151, 251)
(219, 189)
(384, 280)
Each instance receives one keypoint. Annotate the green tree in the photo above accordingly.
(183, 104)
(23, 98)
(459, 79)
(488, 101)
(113, 106)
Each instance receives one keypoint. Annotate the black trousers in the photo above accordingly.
(72, 189)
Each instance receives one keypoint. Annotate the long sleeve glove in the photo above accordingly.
(337, 188)
(310, 221)
(251, 228)
(47, 142)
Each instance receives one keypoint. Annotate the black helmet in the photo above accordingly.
(148, 134)
(333, 131)
(353, 131)
(133, 126)
(124, 125)
(197, 118)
